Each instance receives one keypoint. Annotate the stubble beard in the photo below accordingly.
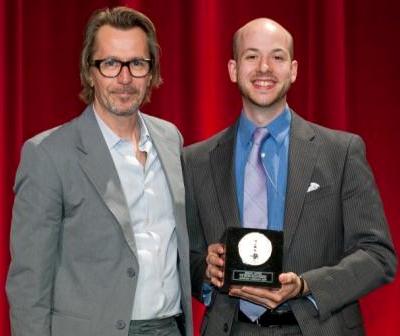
(113, 109)
(279, 97)
(123, 112)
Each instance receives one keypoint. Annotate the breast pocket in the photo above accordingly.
(318, 194)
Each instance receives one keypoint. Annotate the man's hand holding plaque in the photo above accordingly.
(247, 275)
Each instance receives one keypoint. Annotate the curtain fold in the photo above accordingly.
(348, 79)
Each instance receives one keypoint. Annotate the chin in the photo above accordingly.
(124, 112)
(264, 102)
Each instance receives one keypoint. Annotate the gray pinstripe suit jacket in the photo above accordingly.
(74, 257)
(336, 236)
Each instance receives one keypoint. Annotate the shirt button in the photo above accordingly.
(120, 324)
(131, 272)
(226, 328)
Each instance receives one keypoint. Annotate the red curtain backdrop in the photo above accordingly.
(349, 76)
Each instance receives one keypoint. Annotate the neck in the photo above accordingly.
(125, 126)
(262, 116)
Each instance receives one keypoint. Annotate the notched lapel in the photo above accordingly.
(222, 167)
(303, 152)
(169, 155)
(169, 158)
(98, 166)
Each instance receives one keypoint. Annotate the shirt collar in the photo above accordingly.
(113, 139)
(278, 128)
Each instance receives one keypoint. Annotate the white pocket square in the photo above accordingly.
(313, 186)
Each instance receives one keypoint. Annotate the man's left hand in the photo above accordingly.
(271, 297)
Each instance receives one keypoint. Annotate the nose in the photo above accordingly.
(264, 64)
(124, 76)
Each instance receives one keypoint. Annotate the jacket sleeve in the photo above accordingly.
(35, 229)
(197, 241)
(369, 259)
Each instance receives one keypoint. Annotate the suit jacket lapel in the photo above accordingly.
(303, 152)
(222, 168)
(170, 161)
(97, 163)
(169, 157)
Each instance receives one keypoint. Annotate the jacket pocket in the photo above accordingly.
(65, 324)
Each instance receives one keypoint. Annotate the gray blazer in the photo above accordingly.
(74, 262)
(335, 236)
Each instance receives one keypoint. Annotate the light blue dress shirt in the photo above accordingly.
(274, 153)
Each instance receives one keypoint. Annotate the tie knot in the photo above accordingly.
(259, 135)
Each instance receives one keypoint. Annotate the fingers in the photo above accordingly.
(288, 278)
(270, 297)
(216, 249)
(215, 263)
(292, 283)
(215, 259)
(256, 295)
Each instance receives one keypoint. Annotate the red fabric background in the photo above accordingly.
(348, 79)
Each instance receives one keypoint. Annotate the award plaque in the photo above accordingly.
(252, 257)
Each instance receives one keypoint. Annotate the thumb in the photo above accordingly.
(287, 278)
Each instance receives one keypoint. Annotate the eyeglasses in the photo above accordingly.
(111, 68)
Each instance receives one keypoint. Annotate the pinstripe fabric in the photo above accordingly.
(243, 329)
(335, 236)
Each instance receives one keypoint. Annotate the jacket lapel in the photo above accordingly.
(96, 162)
(303, 152)
(169, 157)
(222, 171)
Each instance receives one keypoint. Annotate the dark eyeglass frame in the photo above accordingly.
(97, 63)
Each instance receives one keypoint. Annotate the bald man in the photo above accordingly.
(317, 188)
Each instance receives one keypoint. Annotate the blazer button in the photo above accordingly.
(120, 324)
(131, 272)
(226, 328)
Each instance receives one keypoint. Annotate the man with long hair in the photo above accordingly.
(99, 227)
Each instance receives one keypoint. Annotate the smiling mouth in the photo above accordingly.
(264, 83)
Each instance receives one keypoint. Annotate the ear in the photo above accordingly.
(294, 71)
(232, 69)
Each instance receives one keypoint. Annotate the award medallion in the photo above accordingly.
(254, 249)
(252, 257)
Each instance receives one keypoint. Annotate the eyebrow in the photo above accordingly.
(115, 58)
(273, 50)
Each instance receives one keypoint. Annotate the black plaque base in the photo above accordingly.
(254, 259)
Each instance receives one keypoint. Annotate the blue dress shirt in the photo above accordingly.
(275, 149)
